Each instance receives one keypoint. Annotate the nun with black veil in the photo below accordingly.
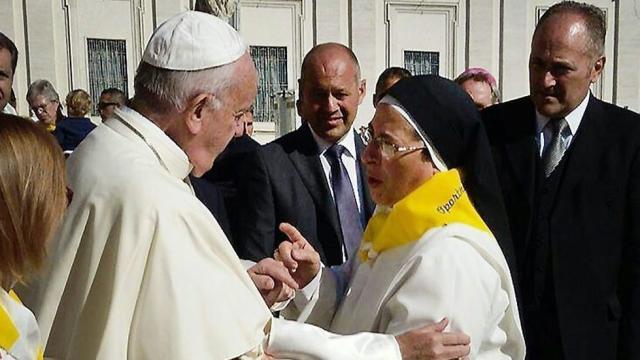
(434, 247)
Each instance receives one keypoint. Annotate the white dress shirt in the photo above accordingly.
(574, 118)
(348, 159)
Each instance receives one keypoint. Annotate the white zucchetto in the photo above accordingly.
(192, 41)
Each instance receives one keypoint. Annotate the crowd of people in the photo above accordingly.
(452, 225)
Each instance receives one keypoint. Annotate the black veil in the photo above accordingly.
(451, 122)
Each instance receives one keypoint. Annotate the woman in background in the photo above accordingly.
(32, 202)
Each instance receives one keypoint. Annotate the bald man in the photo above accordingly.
(290, 179)
(570, 173)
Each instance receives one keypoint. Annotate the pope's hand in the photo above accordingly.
(273, 281)
(430, 342)
(302, 260)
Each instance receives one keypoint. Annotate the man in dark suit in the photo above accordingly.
(312, 177)
(217, 188)
(569, 166)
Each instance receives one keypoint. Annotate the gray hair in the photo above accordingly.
(167, 89)
(44, 88)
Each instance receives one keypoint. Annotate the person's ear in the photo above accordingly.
(299, 107)
(598, 66)
(362, 90)
(299, 100)
(197, 109)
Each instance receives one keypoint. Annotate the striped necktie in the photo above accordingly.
(556, 148)
(345, 200)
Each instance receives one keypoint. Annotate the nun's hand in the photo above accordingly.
(302, 260)
(432, 343)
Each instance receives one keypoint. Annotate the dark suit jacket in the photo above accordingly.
(594, 226)
(284, 182)
(213, 197)
(227, 164)
(217, 188)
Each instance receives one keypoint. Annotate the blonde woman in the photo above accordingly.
(32, 202)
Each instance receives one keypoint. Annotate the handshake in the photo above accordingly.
(294, 264)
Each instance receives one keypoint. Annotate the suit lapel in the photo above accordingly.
(306, 161)
(522, 153)
(584, 146)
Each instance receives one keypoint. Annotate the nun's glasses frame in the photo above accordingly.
(385, 147)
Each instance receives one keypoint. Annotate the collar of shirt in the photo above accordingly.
(348, 141)
(175, 159)
(9, 109)
(574, 118)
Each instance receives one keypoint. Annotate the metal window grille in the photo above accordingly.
(107, 67)
(422, 62)
(271, 63)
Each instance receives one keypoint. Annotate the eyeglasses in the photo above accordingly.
(387, 148)
(41, 109)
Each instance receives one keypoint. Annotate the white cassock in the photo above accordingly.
(454, 271)
(140, 269)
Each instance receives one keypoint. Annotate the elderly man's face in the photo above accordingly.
(480, 93)
(330, 94)
(220, 124)
(6, 77)
(392, 178)
(561, 65)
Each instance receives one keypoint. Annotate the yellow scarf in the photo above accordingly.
(439, 201)
(10, 333)
(49, 127)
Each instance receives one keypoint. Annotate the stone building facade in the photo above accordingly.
(93, 44)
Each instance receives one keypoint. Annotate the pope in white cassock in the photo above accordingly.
(140, 269)
(429, 251)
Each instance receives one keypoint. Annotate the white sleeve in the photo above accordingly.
(450, 280)
(317, 302)
(294, 340)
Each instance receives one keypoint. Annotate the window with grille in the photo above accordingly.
(107, 67)
(422, 62)
(271, 63)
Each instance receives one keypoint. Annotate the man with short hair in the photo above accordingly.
(481, 86)
(312, 177)
(569, 167)
(387, 79)
(110, 99)
(8, 63)
(139, 268)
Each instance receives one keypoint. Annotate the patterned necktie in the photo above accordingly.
(556, 148)
(345, 200)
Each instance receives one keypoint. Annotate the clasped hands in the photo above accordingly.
(294, 265)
